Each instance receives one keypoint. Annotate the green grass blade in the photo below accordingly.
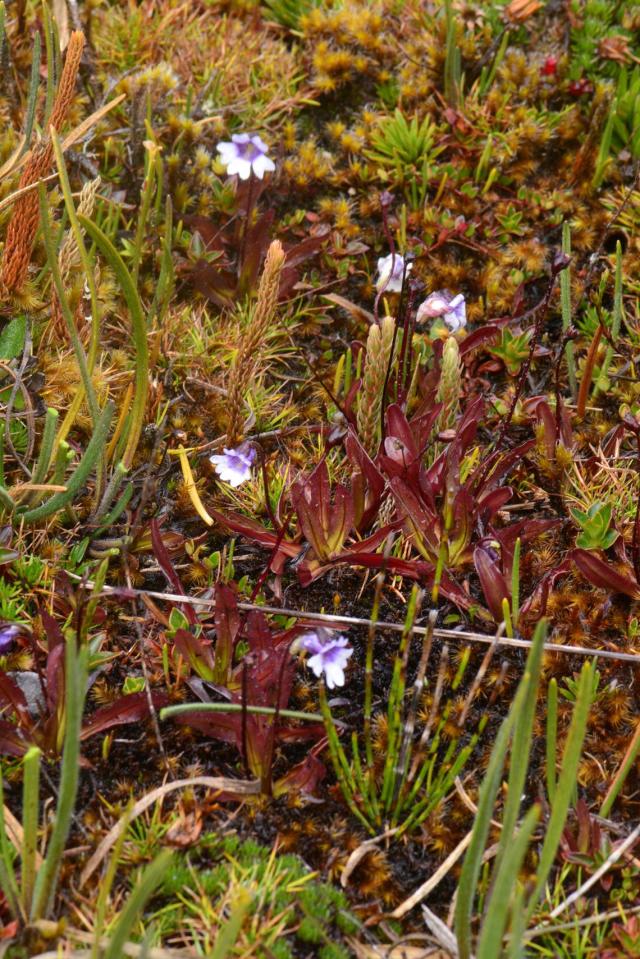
(151, 879)
(81, 474)
(30, 814)
(139, 330)
(521, 750)
(8, 881)
(497, 914)
(32, 98)
(46, 447)
(88, 265)
(473, 860)
(566, 783)
(625, 768)
(472, 865)
(551, 739)
(76, 671)
(230, 929)
(52, 257)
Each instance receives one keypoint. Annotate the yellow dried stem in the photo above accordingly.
(23, 225)
(251, 344)
(379, 344)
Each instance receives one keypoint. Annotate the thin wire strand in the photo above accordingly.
(450, 635)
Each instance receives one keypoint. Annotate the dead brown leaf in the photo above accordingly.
(185, 831)
(521, 10)
(615, 48)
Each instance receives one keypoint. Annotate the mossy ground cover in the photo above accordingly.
(319, 450)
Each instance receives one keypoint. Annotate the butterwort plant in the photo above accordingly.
(245, 156)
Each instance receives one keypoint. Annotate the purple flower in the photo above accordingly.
(234, 466)
(244, 155)
(390, 272)
(452, 309)
(330, 655)
(9, 632)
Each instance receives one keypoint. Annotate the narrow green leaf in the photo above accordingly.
(30, 814)
(497, 912)
(552, 732)
(139, 331)
(76, 671)
(150, 880)
(521, 750)
(566, 783)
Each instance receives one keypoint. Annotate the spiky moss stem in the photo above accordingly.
(23, 225)
(379, 348)
(248, 355)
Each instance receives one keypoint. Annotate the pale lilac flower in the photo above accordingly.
(390, 272)
(9, 632)
(452, 309)
(330, 655)
(244, 155)
(234, 466)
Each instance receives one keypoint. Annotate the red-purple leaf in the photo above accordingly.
(55, 678)
(166, 565)
(325, 521)
(227, 619)
(493, 583)
(209, 231)
(12, 696)
(304, 777)
(367, 485)
(297, 254)
(131, 708)
(603, 575)
(11, 742)
(480, 336)
(213, 282)
(254, 531)
(397, 427)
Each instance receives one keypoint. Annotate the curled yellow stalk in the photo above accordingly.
(190, 486)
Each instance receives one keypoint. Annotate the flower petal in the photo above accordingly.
(239, 166)
(263, 165)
